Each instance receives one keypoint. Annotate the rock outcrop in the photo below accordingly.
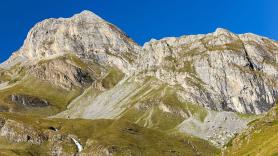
(26, 133)
(28, 101)
(62, 73)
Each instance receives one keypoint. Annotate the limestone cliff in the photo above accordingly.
(221, 70)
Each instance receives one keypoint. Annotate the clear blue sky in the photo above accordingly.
(142, 19)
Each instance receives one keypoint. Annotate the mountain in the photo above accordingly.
(81, 86)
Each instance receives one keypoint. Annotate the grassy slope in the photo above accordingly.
(57, 97)
(113, 77)
(146, 107)
(260, 139)
(123, 137)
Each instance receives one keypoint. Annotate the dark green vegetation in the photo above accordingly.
(261, 138)
(117, 137)
(112, 78)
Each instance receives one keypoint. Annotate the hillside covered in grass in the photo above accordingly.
(261, 138)
(31, 135)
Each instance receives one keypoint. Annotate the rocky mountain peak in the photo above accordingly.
(86, 14)
(221, 31)
(85, 34)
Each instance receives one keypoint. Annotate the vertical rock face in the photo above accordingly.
(221, 70)
(62, 73)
